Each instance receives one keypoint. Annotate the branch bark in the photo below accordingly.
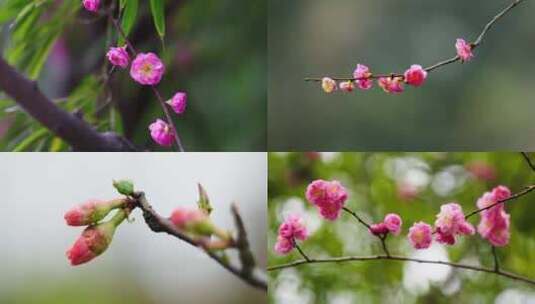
(157, 223)
(78, 133)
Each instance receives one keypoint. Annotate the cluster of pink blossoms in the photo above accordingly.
(391, 224)
(494, 225)
(96, 238)
(290, 230)
(146, 69)
(328, 196)
(414, 76)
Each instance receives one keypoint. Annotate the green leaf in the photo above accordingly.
(30, 140)
(129, 18)
(158, 15)
(122, 3)
(204, 201)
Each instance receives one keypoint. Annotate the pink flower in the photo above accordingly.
(328, 196)
(378, 229)
(293, 228)
(184, 217)
(284, 245)
(346, 86)
(481, 170)
(393, 223)
(495, 222)
(464, 50)
(420, 235)
(362, 75)
(328, 85)
(162, 133)
(93, 241)
(118, 56)
(91, 5)
(391, 84)
(91, 212)
(415, 75)
(147, 69)
(450, 222)
(178, 102)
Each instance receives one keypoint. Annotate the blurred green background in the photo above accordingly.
(413, 185)
(215, 50)
(484, 104)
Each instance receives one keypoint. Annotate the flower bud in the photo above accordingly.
(378, 229)
(178, 102)
(464, 50)
(162, 133)
(91, 5)
(118, 56)
(94, 240)
(91, 212)
(196, 221)
(125, 187)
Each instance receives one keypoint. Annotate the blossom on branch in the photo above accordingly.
(464, 50)
(328, 85)
(290, 230)
(147, 69)
(118, 56)
(328, 196)
(415, 75)
(91, 211)
(420, 235)
(495, 222)
(162, 133)
(178, 102)
(451, 222)
(362, 75)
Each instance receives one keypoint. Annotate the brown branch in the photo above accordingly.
(401, 258)
(526, 190)
(357, 217)
(442, 63)
(157, 223)
(528, 160)
(301, 251)
(73, 130)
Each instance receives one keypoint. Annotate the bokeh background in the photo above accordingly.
(140, 266)
(215, 50)
(485, 104)
(413, 185)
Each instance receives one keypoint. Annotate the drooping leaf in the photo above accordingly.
(158, 15)
(129, 18)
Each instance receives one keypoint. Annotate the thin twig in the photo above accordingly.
(528, 160)
(496, 262)
(383, 243)
(401, 258)
(439, 64)
(356, 216)
(301, 251)
(526, 190)
(157, 223)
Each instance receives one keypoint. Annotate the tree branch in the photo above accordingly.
(401, 258)
(526, 190)
(79, 134)
(528, 160)
(157, 223)
(442, 63)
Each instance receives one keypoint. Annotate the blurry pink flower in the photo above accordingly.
(328, 196)
(147, 69)
(91, 5)
(481, 170)
(328, 85)
(362, 74)
(495, 222)
(91, 212)
(118, 56)
(393, 223)
(346, 86)
(178, 102)
(162, 133)
(450, 222)
(284, 245)
(407, 191)
(93, 241)
(293, 228)
(378, 229)
(420, 235)
(415, 75)
(464, 50)
(391, 84)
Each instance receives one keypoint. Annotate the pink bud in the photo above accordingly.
(378, 229)
(91, 212)
(162, 133)
(328, 85)
(118, 56)
(391, 84)
(91, 5)
(185, 217)
(147, 69)
(178, 102)
(415, 75)
(346, 86)
(362, 75)
(393, 223)
(284, 245)
(95, 239)
(464, 50)
(420, 235)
